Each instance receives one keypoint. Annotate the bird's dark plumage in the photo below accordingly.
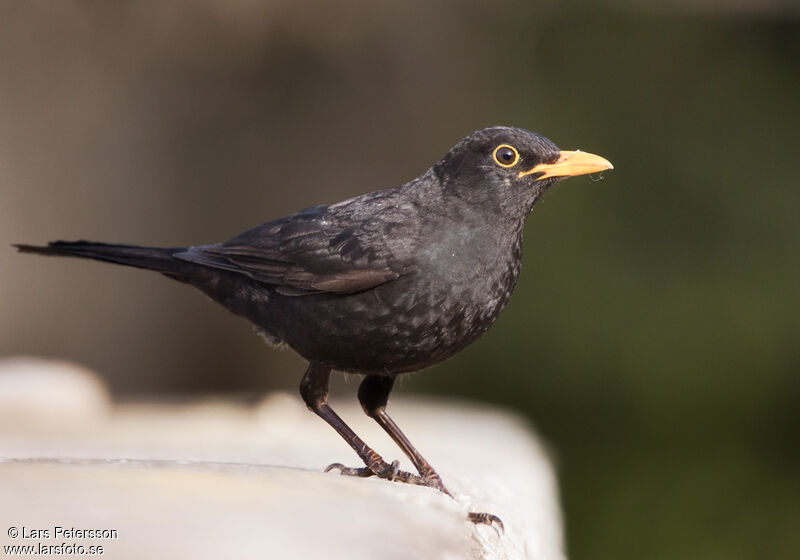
(384, 283)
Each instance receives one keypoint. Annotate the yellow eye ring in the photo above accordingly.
(505, 156)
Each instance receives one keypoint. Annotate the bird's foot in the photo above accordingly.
(487, 519)
(391, 471)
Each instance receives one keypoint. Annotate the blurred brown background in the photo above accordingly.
(653, 338)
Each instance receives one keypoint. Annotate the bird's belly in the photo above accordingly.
(401, 326)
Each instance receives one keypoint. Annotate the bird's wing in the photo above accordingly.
(345, 248)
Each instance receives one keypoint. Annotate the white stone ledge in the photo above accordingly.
(216, 479)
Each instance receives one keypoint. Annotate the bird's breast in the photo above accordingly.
(462, 282)
(481, 259)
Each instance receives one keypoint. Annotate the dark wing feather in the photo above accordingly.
(346, 248)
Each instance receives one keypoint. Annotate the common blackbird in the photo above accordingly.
(385, 283)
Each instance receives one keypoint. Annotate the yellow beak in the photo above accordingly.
(570, 164)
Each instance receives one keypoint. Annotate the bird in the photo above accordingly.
(382, 284)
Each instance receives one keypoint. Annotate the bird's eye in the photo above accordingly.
(505, 155)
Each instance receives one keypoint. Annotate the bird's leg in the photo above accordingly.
(314, 390)
(373, 394)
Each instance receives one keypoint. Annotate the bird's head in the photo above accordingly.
(509, 167)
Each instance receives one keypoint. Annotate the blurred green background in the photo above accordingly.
(653, 337)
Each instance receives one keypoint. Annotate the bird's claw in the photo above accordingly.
(480, 518)
(389, 471)
(349, 471)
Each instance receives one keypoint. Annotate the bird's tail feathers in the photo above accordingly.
(151, 258)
